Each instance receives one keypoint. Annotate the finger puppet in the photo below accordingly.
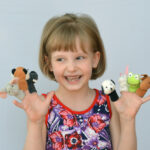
(123, 85)
(133, 81)
(108, 88)
(22, 75)
(144, 85)
(33, 77)
(12, 89)
(129, 81)
(22, 81)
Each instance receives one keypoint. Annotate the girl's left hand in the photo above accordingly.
(128, 105)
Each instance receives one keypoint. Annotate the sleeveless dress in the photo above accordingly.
(84, 130)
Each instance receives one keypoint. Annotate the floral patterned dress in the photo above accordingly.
(85, 130)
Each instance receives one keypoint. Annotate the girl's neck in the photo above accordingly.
(75, 98)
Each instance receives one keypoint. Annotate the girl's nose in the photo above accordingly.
(71, 66)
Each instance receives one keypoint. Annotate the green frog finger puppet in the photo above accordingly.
(133, 81)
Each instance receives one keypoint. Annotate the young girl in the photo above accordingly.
(76, 116)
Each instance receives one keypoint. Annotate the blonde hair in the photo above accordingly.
(61, 32)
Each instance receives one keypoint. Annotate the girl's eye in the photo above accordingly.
(60, 59)
(80, 57)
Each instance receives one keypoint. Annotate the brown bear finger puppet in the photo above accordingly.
(144, 85)
(22, 75)
(26, 80)
(12, 89)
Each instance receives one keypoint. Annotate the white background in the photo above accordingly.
(124, 27)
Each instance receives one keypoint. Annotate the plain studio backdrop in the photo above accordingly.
(124, 27)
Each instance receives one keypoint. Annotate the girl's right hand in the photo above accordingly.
(35, 106)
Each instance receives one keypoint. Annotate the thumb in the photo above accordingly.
(18, 104)
(123, 92)
(3, 94)
(49, 97)
(146, 99)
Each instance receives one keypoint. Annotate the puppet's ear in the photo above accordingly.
(144, 76)
(25, 71)
(127, 70)
(13, 71)
(102, 90)
(112, 81)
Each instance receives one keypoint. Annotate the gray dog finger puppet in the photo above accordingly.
(12, 89)
(108, 88)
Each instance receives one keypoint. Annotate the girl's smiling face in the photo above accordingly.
(73, 69)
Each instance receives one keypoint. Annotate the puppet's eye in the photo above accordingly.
(13, 71)
(106, 87)
(25, 71)
(130, 74)
(136, 76)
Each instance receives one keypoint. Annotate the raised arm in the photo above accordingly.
(36, 107)
(36, 136)
(128, 138)
(127, 107)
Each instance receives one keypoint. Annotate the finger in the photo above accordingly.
(146, 99)
(49, 97)
(123, 92)
(3, 94)
(26, 92)
(15, 80)
(18, 104)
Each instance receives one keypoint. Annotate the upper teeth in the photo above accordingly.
(73, 78)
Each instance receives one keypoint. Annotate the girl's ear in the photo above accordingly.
(50, 68)
(96, 58)
(47, 63)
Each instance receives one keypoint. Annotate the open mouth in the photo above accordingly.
(134, 85)
(73, 78)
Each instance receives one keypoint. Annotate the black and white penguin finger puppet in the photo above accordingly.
(31, 81)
